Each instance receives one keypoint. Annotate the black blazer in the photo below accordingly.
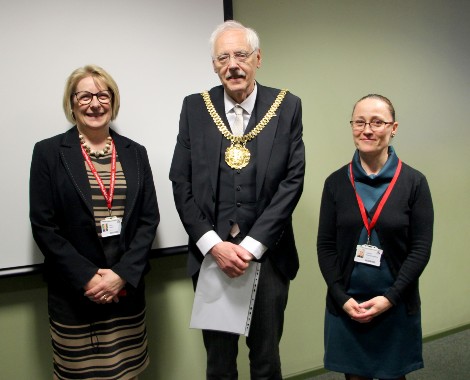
(279, 178)
(62, 218)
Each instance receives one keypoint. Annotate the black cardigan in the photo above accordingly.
(405, 230)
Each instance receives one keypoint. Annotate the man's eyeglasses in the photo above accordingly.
(239, 56)
(85, 97)
(375, 125)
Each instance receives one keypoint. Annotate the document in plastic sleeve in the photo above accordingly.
(222, 303)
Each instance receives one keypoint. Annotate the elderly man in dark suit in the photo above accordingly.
(237, 174)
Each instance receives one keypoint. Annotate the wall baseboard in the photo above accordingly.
(445, 333)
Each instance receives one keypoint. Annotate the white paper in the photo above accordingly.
(222, 303)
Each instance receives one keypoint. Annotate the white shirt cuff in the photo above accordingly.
(253, 246)
(207, 241)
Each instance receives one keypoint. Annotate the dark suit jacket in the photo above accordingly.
(280, 168)
(62, 217)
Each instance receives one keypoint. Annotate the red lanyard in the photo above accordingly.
(107, 196)
(371, 225)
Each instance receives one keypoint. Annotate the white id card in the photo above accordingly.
(111, 226)
(368, 254)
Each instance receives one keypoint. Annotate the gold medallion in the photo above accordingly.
(237, 156)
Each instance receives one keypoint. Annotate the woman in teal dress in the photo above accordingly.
(374, 241)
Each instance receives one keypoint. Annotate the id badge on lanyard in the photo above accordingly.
(110, 226)
(366, 253)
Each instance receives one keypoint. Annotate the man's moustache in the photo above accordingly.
(235, 75)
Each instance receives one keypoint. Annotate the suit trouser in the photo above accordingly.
(264, 337)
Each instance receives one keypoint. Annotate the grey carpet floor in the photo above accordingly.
(446, 358)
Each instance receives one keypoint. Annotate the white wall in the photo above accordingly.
(157, 51)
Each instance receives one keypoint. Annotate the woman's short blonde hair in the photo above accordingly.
(101, 78)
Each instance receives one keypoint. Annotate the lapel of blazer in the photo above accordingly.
(264, 141)
(72, 157)
(213, 137)
(129, 160)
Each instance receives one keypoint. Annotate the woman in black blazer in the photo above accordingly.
(374, 241)
(94, 213)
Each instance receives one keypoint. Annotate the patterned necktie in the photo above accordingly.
(237, 130)
(237, 127)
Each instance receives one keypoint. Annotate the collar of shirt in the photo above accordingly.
(248, 105)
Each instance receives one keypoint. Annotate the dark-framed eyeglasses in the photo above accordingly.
(375, 125)
(85, 97)
(239, 56)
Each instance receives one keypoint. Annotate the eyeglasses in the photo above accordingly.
(239, 56)
(375, 125)
(85, 97)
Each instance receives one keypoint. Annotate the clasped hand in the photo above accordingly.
(366, 311)
(104, 287)
(232, 259)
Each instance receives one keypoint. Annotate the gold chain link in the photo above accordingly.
(249, 136)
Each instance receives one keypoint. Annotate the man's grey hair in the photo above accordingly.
(251, 36)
